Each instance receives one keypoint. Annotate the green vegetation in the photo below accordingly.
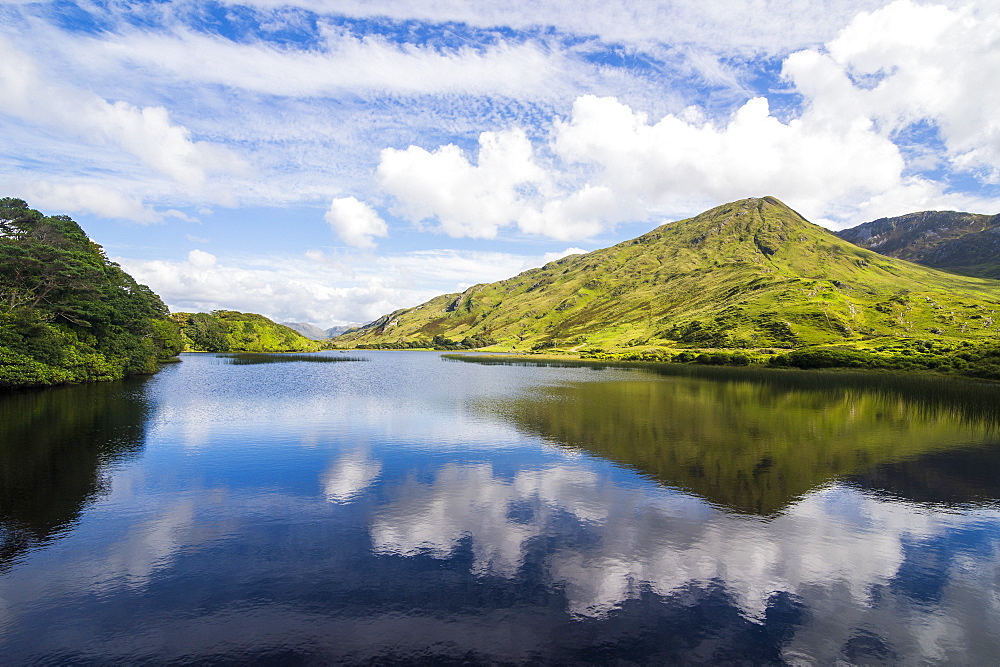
(961, 358)
(67, 313)
(438, 342)
(746, 282)
(230, 331)
(981, 361)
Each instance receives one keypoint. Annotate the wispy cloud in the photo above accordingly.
(145, 132)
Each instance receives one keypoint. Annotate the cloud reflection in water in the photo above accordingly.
(842, 550)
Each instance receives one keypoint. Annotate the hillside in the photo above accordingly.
(67, 313)
(231, 331)
(965, 243)
(748, 274)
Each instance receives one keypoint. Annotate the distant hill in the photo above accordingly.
(232, 331)
(68, 313)
(965, 243)
(333, 332)
(310, 331)
(750, 273)
(314, 332)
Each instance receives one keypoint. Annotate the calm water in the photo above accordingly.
(407, 508)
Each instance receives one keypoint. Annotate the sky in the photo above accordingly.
(329, 162)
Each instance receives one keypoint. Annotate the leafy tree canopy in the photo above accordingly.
(232, 331)
(68, 313)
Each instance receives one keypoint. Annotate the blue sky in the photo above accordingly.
(328, 162)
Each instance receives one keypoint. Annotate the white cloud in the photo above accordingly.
(200, 259)
(283, 291)
(355, 222)
(885, 69)
(553, 256)
(90, 197)
(632, 169)
(906, 63)
(579, 215)
(665, 166)
(768, 26)
(467, 199)
(144, 132)
(342, 63)
(345, 288)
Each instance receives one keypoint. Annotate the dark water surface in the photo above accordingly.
(410, 509)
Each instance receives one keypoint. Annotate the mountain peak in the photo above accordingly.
(749, 273)
(752, 229)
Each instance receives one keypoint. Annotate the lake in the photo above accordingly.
(408, 508)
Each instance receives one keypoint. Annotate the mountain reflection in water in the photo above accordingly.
(406, 510)
(754, 447)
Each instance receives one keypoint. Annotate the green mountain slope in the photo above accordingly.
(67, 313)
(231, 331)
(965, 243)
(752, 273)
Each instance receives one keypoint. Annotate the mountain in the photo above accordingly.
(68, 313)
(232, 331)
(314, 332)
(333, 332)
(751, 273)
(965, 243)
(310, 331)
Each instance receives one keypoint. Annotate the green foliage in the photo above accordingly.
(827, 358)
(438, 342)
(419, 344)
(963, 358)
(231, 331)
(67, 313)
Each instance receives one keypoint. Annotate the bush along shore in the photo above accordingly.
(964, 358)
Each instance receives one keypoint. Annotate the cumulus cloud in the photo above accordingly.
(811, 160)
(466, 199)
(281, 290)
(553, 256)
(355, 222)
(634, 168)
(907, 63)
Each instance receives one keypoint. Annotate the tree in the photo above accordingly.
(70, 314)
